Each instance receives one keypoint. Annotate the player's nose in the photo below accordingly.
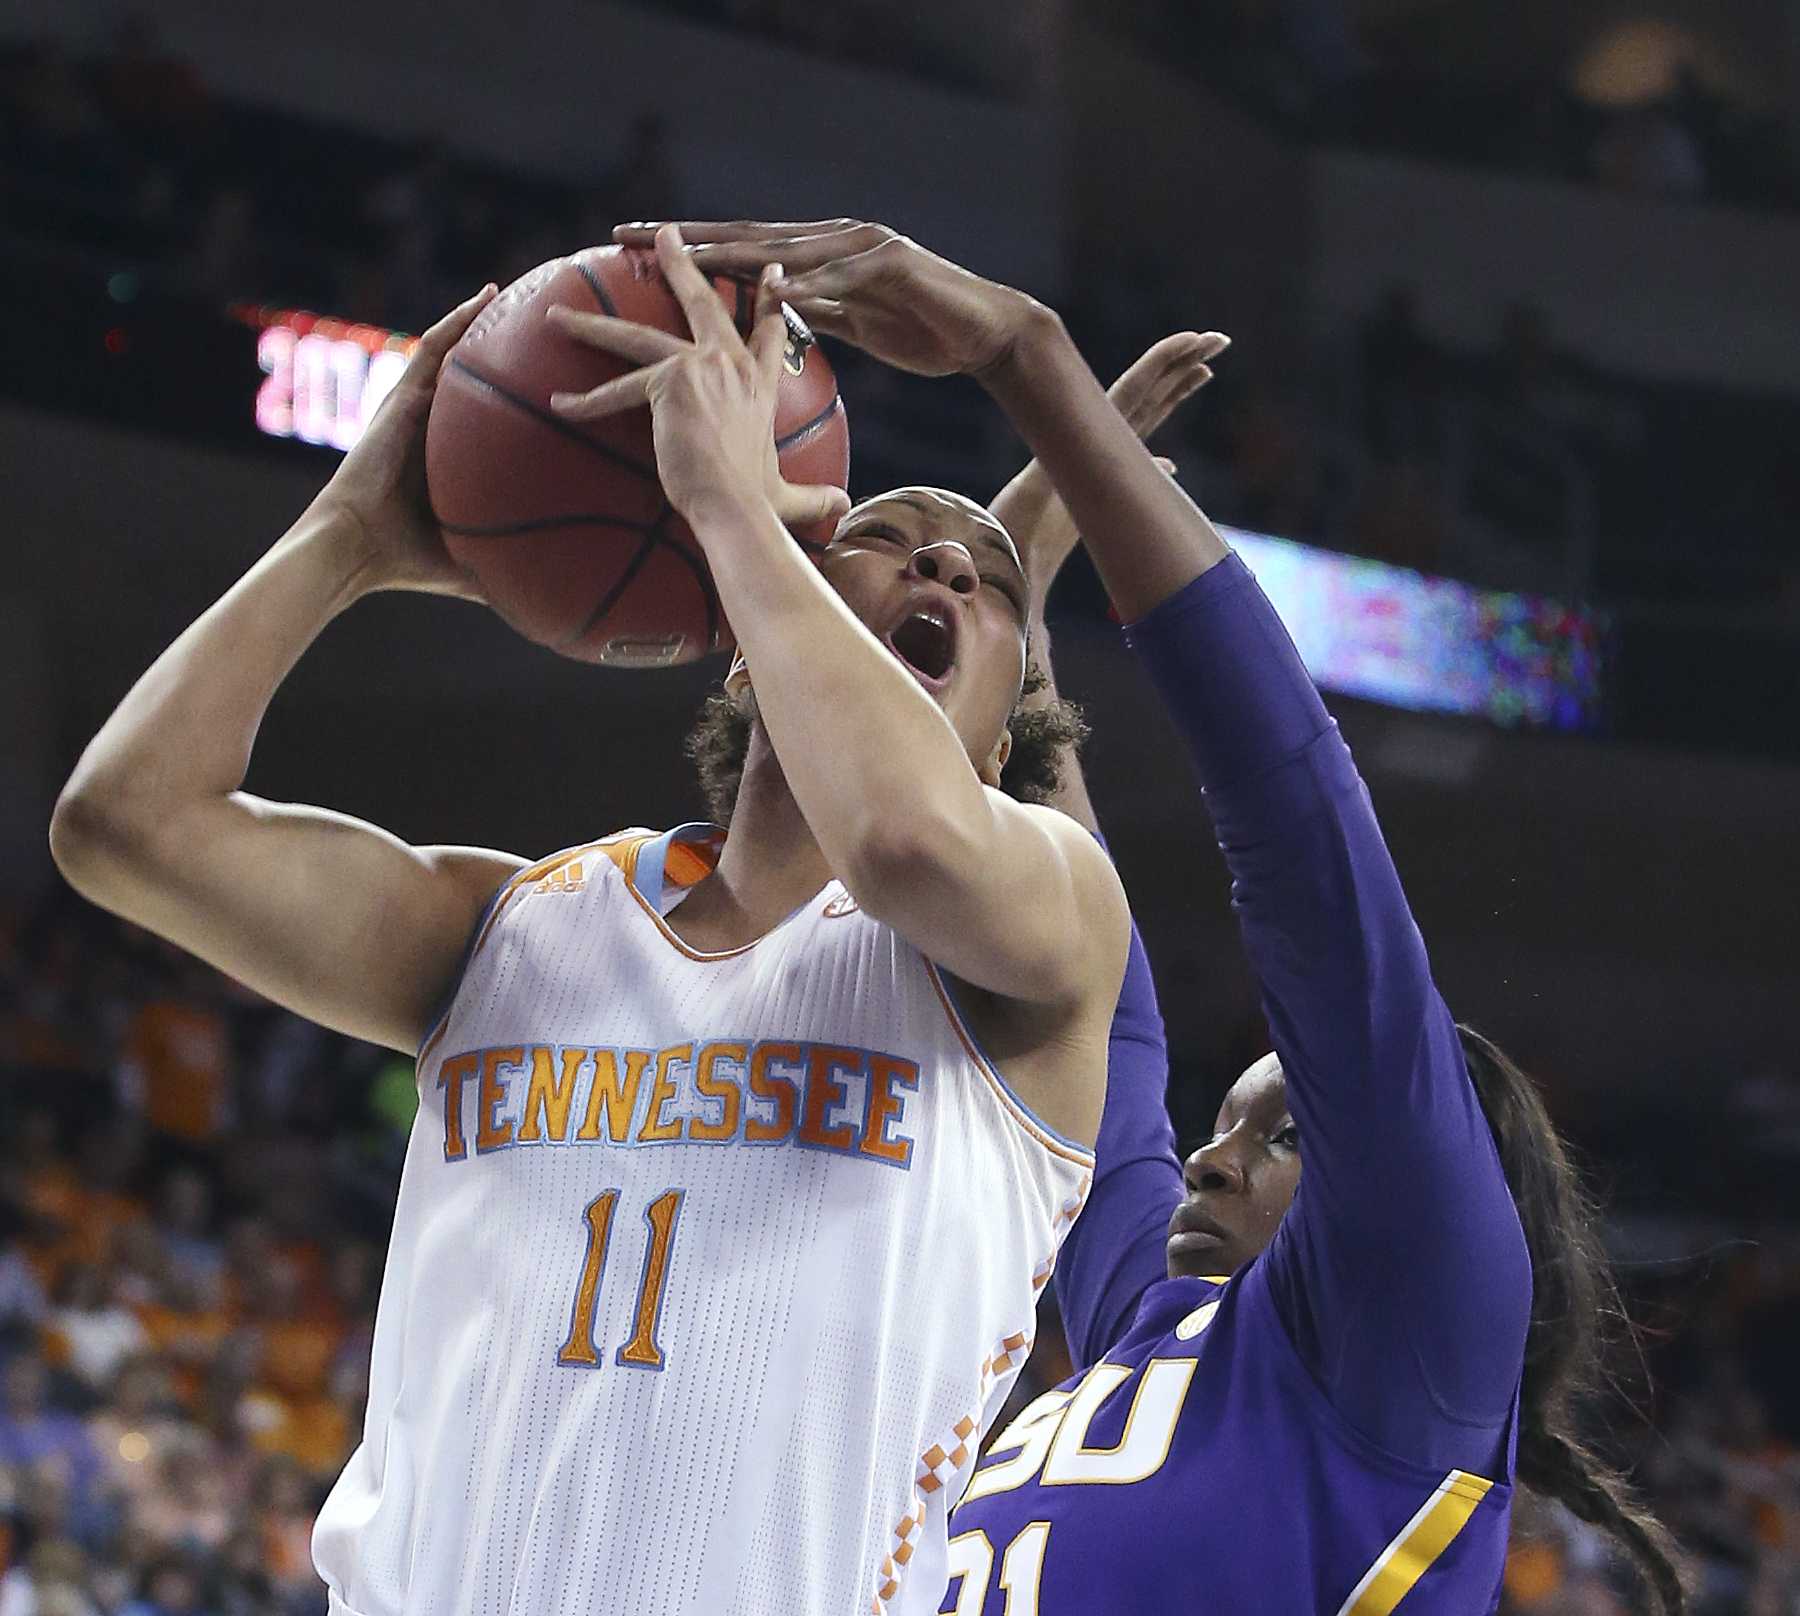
(947, 562)
(1217, 1165)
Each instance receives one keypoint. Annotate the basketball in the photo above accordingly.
(565, 525)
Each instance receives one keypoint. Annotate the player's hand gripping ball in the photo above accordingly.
(564, 524)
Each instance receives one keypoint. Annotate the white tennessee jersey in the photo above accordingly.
(708, 1271)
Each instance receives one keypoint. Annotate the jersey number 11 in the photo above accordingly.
(642, 1350)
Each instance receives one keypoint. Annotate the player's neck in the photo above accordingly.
(771, 862)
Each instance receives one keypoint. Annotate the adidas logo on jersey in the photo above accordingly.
(843, 904)
(569, 878)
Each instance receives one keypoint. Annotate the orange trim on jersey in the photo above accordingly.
(1041, 1132)
(685, 865)
(525, 878)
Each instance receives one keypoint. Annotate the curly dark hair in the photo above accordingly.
(1045, 736)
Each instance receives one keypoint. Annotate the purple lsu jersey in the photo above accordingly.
(1197, 1467)
(1331, 1430)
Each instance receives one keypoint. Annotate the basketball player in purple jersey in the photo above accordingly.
(1297, 1395)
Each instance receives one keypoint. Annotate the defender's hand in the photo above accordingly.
(712, 399)
(378, 491)
(1155, 385)
(870, 286)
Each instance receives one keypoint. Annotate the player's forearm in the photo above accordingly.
(871, 760)
(1147, 538)
(183, 734)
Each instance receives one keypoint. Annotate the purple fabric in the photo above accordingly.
(1264, 1444)
(1401, 1271)
(1115, 1251)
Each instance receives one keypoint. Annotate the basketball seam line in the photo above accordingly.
(597, 287)
(555, 422)
(788, 440)
(656, 538)
(652, 540)
(702, 579)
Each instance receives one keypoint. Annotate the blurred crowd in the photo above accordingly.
(1319, 69)
(194, 1195)
(130, 158)
(195, 1190)
(1518, 466)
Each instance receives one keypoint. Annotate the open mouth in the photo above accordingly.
(925, 640)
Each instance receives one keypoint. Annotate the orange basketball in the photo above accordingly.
(565, 524)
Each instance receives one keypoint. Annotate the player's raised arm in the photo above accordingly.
(1114, 1253)
(1014, 899)
(333, 918)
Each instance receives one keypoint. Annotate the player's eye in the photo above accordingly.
(1288, 1138)
(887, 534)
(1008, 586)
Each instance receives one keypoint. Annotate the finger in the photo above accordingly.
(641, 233)
(1173, 391)
(626, 339)
(802, 504)
(706, 316)
(768, 330)
(799, 252)
(1142, 375)
(610, 398)
(440, 338)
(747, 259)
(825, 315)
(1148, 412)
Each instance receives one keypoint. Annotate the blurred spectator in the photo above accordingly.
(183, 1221)
(136, 1428)
(1404, 381)
(31, 1431)
(170, 1588)
(285, 1502)
(51, 1581)
(190, 1506)
(22, 1301)
(1647, 152)
(176, 1066)
(90, 1329)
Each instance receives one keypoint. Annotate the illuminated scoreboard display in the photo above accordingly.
(1365, 628)
(323, 378)
(1393, 635)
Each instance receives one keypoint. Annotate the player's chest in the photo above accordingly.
(820, 1036)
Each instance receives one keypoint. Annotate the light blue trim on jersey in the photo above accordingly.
(987, 1060)
(647, 873)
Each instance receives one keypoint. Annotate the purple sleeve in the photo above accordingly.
(1401, 1270)
(1115, 1251)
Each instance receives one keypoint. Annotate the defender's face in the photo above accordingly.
(1241, 1182)
(939, 582)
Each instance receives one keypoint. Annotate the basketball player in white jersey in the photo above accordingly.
(739, 1163)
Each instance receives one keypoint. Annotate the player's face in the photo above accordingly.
(1241, 1181)
(939, 582)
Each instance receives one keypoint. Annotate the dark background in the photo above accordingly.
(1513, 290)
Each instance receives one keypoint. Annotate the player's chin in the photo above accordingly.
(1201, 1256)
